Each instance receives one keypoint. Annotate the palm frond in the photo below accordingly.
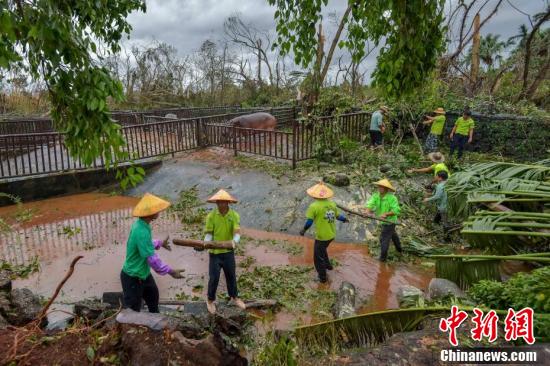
(373, 328)
(506, 232)
(361, 330)
(466, 270)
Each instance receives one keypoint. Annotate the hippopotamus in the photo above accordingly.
(259, 121)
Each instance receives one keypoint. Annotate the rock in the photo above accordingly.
(150, 320)
(336, 179)
(440, 288)
(5, 281)
(25, 307)
(409, 296)
(385, 168)
(170, 115)
(144, 347)
(5, 306)
(341, 180)
(345, 303)
(114, 299)
(3, 322)
(90, 309)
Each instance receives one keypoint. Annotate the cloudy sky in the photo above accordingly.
(185, 24)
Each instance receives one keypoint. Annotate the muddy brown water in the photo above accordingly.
(97, 225)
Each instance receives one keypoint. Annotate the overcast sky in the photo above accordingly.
(185, 24)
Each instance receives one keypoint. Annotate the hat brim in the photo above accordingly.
(385, 186)
(221, 200)
(158, 208)
(434, 160)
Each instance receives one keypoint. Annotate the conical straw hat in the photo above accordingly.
(385, 183)
(222, 195)
(436, 157)
(439, 111)
(150, 205)
(320, 191)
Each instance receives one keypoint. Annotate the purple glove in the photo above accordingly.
(157, 243)
(158, 265)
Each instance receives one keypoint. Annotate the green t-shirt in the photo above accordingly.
(439, 167)
(376, 121)
(222, 227)
(324, 214)
(463, 126)
(437, 125)
(384, 204)
(440, 197)
(138, 248)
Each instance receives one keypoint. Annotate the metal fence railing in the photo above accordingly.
(44, 153)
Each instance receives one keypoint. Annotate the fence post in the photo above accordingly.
(294, 143)
(198, 133)
(234, 134)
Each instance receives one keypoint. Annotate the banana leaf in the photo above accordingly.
(466, 270)
(361, 330)
(370, 329)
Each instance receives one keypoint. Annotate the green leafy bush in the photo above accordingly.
(522, 290)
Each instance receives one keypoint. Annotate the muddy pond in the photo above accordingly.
(96, 226)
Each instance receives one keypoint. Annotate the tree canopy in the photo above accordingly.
(412, 32)
(61, 42)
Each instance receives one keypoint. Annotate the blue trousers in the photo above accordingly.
(225, 261)
(459, 141)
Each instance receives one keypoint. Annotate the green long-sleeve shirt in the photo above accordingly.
(381, 205)
(439, 197)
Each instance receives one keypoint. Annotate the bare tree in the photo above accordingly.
(249, 37)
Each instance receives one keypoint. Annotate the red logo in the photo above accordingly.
(451, 323)
(519, 325)
(485, 326)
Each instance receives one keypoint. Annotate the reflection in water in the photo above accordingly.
(74, 228)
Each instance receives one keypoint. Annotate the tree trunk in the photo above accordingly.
(474, 70)
(541, 75)
(527, 60)
(259, 44)
(345, 302)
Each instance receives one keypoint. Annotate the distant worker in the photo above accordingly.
(222, 224)
(439, 197)
(384, 205)
(377, 127)
(436, 130)
(438, 165)
(137, 282)
(463, 131)
(322, 213)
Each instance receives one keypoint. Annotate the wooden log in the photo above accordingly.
(345, 302)
(203, 244)
(352, 212)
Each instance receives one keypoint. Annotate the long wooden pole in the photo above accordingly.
(203, 244)
(350, 211)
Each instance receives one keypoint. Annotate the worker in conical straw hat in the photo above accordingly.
(384, 205)
(222, 224)
(137, 282)
(322, 213)
(438, 165)
(437, 128)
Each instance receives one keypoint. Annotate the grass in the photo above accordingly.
(289, 286)
(21, 270)
(188, 208)
(282, 246)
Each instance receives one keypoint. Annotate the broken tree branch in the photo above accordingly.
(56, 293)
(203, 244)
